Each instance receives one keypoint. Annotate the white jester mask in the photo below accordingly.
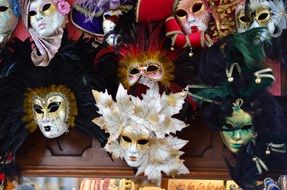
(134, 141)
(45, 18)
(53, 110)
(240, 128)
(192, 15)
(8, 19)
(257, 14)
(108, 28)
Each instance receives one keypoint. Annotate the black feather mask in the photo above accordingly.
(28, 92)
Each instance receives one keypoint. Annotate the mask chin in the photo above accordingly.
(135, 161)
(53, 131)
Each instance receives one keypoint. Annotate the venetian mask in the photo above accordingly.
(149, 66)
(8, 19)
(108, 26)
(134, 141)
(240, 128)
(258, 14)
(45, 18)
(52, 109)
(50, 114)
(192, 15)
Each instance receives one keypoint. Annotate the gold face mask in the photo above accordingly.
(240, 126)
(134, 141)
(151, 65)
(255, 16)
(52, 109)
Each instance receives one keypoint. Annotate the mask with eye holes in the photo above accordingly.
(257, 14)
(134, 142)
(148, 66)
(238, 128)
(9, 15)
(192, 15)
(51, 109)
(45, 18)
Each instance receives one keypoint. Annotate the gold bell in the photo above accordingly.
(258, 80)
(230, 79)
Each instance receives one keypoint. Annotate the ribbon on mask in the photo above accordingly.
(280, 148)
(259, 164)
(179, 39)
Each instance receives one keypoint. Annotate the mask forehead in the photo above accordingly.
(194, 7)
(239, 119)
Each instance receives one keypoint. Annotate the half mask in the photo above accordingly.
(151, 66)
(256, 13)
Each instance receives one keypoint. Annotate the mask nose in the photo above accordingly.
(190, 20)
(39, 16)
(133, 148)
(45, 117)
(254, 25)
(237, 135)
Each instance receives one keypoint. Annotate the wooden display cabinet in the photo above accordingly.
(76, 154)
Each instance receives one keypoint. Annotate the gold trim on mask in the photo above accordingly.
(43, 92)
(262, 15)
(243, 19)
(137, 60)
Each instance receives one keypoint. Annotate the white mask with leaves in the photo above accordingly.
(140, 130)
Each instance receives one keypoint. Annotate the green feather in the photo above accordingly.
(250, 46)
